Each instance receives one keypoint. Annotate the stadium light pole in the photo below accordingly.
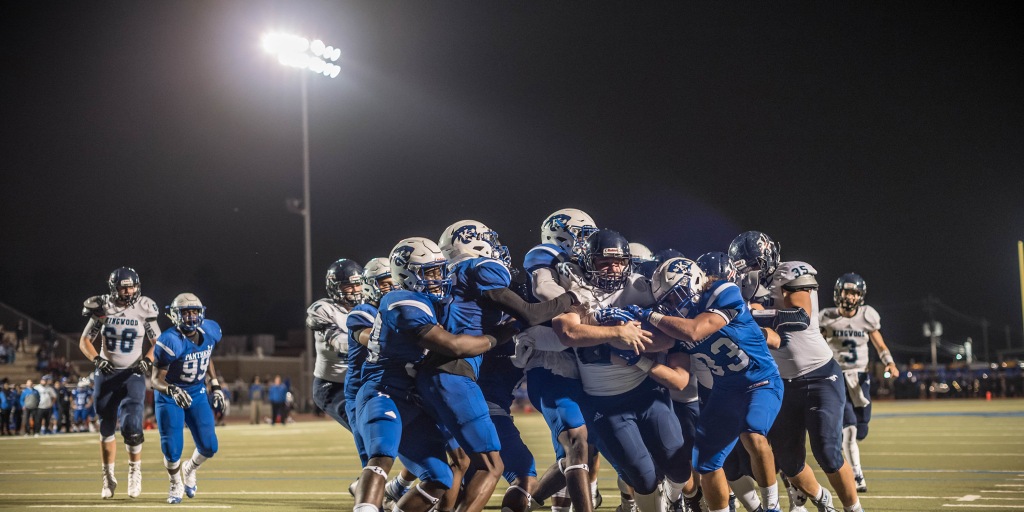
(301, 53)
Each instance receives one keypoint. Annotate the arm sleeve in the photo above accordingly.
(546, 284)
(528, 313)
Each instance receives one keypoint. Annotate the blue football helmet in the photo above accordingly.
(754, 250)
(187, 324)
(345, 272)
(855, 289)
(417, 264)
(717, 265)
(605, 243)
(124, 277)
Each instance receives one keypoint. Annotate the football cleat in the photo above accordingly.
(597, 498)
(188, 477)
(109, 484)
(825, 503)
(393, 491)
(627, 506)
(862, 484)
(177, 489)
(134, 479)
(674, 505)
(694, 504)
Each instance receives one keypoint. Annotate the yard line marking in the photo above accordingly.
(965, 505)
(1004, 492)
(205, 493)
(163, 506)
(1009, 485)
(969, 497)
(972, 454)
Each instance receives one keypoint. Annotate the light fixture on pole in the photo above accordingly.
(298, 52)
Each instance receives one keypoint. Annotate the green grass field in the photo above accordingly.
(939, 455)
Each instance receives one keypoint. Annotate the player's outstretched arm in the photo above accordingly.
(526, 312)
(436, 339)
(688, 329)
(883, 352)
(572, 332)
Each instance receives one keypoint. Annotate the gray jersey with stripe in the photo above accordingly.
(848, 337)
(802, 351)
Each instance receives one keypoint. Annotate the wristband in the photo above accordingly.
(645, 364)
(886, 357)
(655, 318)
(214, 383)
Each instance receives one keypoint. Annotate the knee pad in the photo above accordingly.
(433, 501)
(529, 497)
(565, 469)
(377, 469)
(133, 439)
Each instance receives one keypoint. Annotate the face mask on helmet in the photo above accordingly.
(344, 282)
(125, 286)
(676, 284)
(187, 312)
(606, 260)
(849, 292)
(418, 265)
(754, 250)
(568, 228)
(377, 279)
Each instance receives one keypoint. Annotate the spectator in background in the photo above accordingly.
(19, 336)
(43, 358)
(15, 399)
(278, 395)
(7, 399)
(3, 351)
(29, 401)
(257, 393)
(44, 411)
(63, 408)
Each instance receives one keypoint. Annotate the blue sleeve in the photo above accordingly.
(727, 299)
(413, 314)
(360, 318)
(541, 256)
(165, 351)
(491, 274)
(212, 329)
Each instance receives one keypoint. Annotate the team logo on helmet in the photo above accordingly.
(679, 267)
(466, 234)
(553, 222)
(400, 257)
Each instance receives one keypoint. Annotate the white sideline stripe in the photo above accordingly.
(163, 506)
(205, 493)
(1009, 485)
(973, 454)
(1004, 492)
(1002, 506)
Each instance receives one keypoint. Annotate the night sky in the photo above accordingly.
(881, 138)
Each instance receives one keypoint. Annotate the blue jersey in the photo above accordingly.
(186, 362)
(361, 317)
(393, 341)
(736, 354)
(81, 396)
(464, 313)
(499, 377)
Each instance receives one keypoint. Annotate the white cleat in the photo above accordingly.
(177, 490)
(134, 480)
(862, 483)
(188, 475)
(109, 484)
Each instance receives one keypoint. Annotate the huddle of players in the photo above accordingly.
(414, 358)
(177, 361)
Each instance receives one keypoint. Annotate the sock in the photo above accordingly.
(559, 509)
(197, 459)
(850, 439)
(696, 489)
(653, 502)
(854, 508)
(365, 507)
(136, 465)
(108, 469)
(593, 487)
(771, 496)
(726, 509)
(403, 482)
(173, 469)
(821, 494)
(746, 492)
(673, 490)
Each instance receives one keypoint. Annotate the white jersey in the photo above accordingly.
(848, 337)
(123, 330)
(803, 351)
(330, 334)
(689, 393)
(604, 378)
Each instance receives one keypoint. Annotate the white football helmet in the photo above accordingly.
(417, 264)
(470, 238)
(675, 283)
(639, 253)
(375, 270)
(181, 303)
(567, 228)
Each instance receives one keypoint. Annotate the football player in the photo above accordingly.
(405, 325)
(639, 253)
(481, 299)
(629, 411)
(327, 319)
(121, 319)
(713, 324)
(183, 360)
(849, 327)
(82, 404)
(814, 395)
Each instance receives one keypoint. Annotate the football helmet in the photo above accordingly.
(470, 238)
(344, 272)
(853, 284)
(417, 264)
(124, 277)
(375, 270)
(718, 266)
(567, 228)
(639, 253)
(754, 250)
(603, 244)
(185, 302)
(675, 284)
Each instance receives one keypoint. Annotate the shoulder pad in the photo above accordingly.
(212, 329)
(149, 307)
(803, 282)
(94, 306)
(873, 318)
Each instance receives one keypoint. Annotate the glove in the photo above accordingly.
(143, 366)
(103, 365)
(612, 316)
(629, 356)
(640, 313)
(180, 396)
(218, 396)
